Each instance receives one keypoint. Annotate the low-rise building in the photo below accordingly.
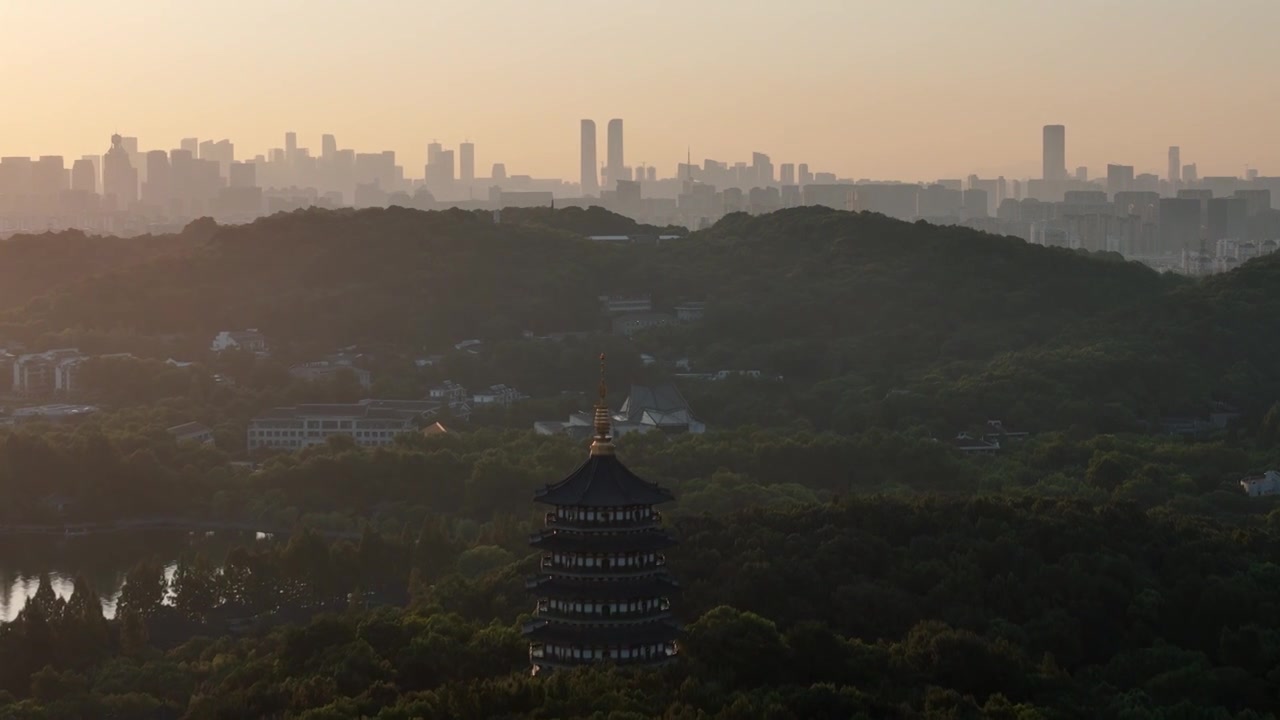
(497, 395)
(635, 322)
(622, 305)
(1268, 483)
(192, 432)
(327, 370)
(46, 372)
(448, 391)
(999, 434)
(56, 412)
(969, 445)
(248, 340)
(690, 311)
(370, 423)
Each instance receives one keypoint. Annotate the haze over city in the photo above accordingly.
(880, 90)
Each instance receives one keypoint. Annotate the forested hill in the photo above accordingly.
(949, 322)
(406, 275)
(35, 265)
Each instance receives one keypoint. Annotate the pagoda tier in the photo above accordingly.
(603, 590)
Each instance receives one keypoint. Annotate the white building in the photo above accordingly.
(1268, 483)
(370, 423)
(248, 340)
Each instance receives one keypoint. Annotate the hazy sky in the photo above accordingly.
(910, 89)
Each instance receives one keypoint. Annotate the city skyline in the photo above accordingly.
(911, 119)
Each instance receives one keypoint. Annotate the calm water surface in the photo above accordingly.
(102, 559)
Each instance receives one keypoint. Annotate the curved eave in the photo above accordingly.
(563, 588)
(559, 540)
(602, 481)
(657, 631)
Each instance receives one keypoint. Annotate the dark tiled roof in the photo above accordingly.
(664, 399)
(658, 631)
(603, 481)
(560, 540)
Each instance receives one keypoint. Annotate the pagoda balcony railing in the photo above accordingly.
(652, 519)
(603, 618)
(612, 570)
(539, 656)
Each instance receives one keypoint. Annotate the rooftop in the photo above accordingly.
(603, 481)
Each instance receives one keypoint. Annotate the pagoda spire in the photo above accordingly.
(602, 443)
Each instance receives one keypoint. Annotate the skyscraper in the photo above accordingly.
(1175, 164)
(155, 191)
(788, 174)
(191, 145)
(467, 162)
(613, 168)
(290, 145)
(119, 178)
(590, 177)
(328, 146)
(84, 177)
(1055, 152)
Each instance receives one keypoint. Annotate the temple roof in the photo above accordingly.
(603, 481)
(644, 587)
(658, 631)
(601, 543)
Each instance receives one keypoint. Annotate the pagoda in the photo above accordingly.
(603, 590)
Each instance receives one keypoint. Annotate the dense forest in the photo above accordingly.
(872, 608)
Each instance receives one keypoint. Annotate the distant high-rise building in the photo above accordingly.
(245, 175)
(1228, 218)
(1082, 174)
(467, 162)
(155, 191)
(499, 172)
(433, 149)
(762, 168)
(1119, 178)
(328, 146)
(1189, 174)
(1179, 225)
(788, 174)
(84, 176)
(1055, 153)
(191, 145)
(613, 171)
(119, 178)
(1175, 167)
(805, 176)
(651, 174)
(290, 145)
(589, 178)
(440, 169)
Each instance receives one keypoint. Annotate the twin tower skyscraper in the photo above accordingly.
(614, 170)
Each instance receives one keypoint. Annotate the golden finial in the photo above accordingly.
(602, 444)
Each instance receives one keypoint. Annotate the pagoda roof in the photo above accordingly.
(657, 631)
(560, 587)
(603, 481)
(597, 542)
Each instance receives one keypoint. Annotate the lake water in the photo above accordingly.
(102, 559)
